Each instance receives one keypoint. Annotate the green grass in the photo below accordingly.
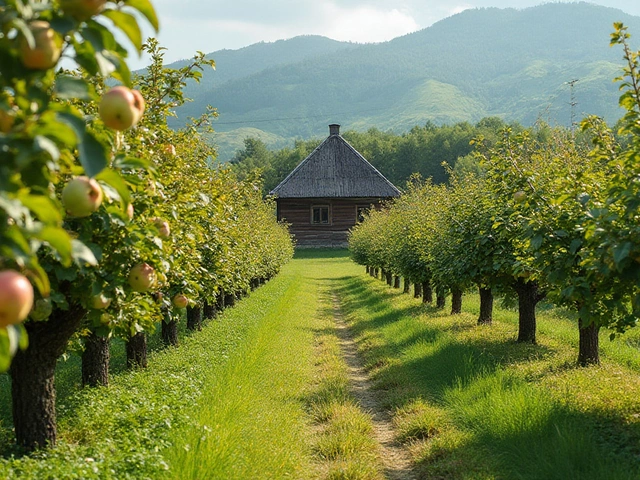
(472, 403)
(262, 392)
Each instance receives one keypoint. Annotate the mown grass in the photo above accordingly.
(471, 403)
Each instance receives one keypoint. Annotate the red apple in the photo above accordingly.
(100, 302)
(121, 108)
(163, 227)
(82, 9)
(180, 301)
(81, 196)
(16, 297)
(46, 51)
(142, 277)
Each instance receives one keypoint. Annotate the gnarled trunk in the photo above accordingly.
(528, 298)
(486, 306)
(137, 351)
(194, 317)
(427, 292)
(456, 301)
(396, 281)
(417, 290)
(32, 377)
(95, 361)
(588, 348)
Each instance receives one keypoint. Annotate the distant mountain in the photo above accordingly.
(515, 64)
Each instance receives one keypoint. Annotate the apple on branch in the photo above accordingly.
(121, 108)
(16, 297)
(81, 196)
(45, 51)
(180, 301)
(82, 9)
(142, 277)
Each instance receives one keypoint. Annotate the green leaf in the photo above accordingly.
(145, 8)
(93, 155)
(621, 253)
(43, 207)
(82, 254)
(128, 24)
(59, 239)
(124, 163)
(113, 178)
(43, 144)
(69, 88)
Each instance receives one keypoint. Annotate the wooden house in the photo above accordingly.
(327, 193)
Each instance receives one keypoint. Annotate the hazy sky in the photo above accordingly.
(209, 25)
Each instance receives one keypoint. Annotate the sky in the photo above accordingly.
(187, 26)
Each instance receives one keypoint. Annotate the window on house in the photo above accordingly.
(320, 214)
(361, 211)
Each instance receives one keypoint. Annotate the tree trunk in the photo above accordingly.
(194, 318)
(427, 292)
(137, 351)
(417, 290)
(389, 278)
(229, 300)
(441, 299)
(486, 306)
(528, 298)
(32, 377)
(95, 361)
(588, 350)
(169, 330)
(407, 286)
(375, 272)
(456, 301)
(396, 281)
(209, 311)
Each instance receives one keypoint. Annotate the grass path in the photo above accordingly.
(395, 457)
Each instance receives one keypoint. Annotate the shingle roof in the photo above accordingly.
(335, 169)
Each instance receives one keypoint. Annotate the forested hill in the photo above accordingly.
(483, 62)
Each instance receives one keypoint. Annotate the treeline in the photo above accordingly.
(111, 223)
(546, 216)
(423, 150)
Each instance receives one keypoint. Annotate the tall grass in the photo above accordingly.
(472, 403)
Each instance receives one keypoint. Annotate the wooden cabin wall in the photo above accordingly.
(342, 213)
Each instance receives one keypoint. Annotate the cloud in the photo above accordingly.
(366, 24)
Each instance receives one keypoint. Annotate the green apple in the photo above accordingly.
(81, 196)
(142, 277)
(121, 108)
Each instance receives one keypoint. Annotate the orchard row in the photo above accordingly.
(110, 222)
(548, 217)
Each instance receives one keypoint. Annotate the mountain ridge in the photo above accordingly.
(511, 63)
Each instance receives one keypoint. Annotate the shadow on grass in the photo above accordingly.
(516, 429)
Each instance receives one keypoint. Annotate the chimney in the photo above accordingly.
(334, 129)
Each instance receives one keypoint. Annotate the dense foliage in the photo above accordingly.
(118, 221)
(423, 150)
(546, 215)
